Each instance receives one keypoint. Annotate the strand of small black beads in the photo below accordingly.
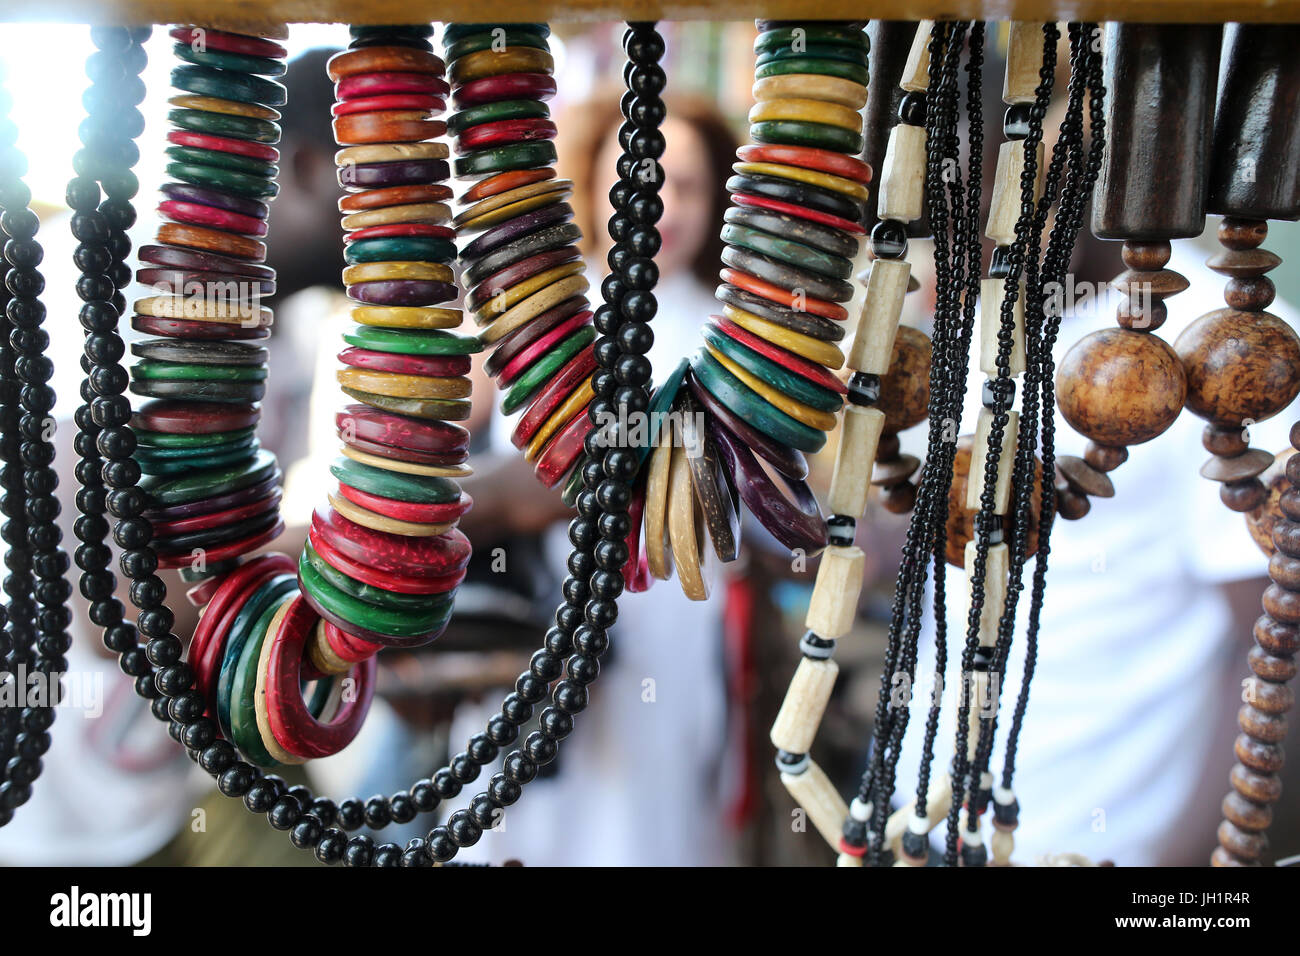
(1075, 202)
(38, 615)
(599, 531)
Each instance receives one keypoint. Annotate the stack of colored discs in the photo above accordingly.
(792, 232)
(523, 274)
(384, 558)
(214, 492)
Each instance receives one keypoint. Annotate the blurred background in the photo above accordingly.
(1124, 759)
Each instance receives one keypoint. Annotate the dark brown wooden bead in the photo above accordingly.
(1071, 505)
(1285, 571)
(1294, 436)
(1084, 478)
(1258, 756)
(1105, 457)
(1241, 843)
(899, 499)
(1292, 468)
(1144, 314)
(887, 447)
(1222, 858)
(1245, 814)
(1262, 522)
(905, 388)
(1268, 696)
(1224, 442)
(1119, 387)
(1276, 637)
(894, 471)
(1243, 496)
(1286, 537)
(1255, 169)
(1162, 82)
(1262, 788)
(1269, 728)
(1160, 284)
(1250, 295)
(1146, 256)
(1240, 366)
(1243, 262)
(1281, 604)
(1249, 464)
(1290, 505)
(1270, 666)
(1240, 234)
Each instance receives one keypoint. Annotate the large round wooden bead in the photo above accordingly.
(1262, 520)
(1242, 367)
(1120, 387)
(905, 388)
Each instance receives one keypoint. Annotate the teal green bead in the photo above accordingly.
(509, 37)
(169, 440)
(252, 611)
(215, 157)
(751, 407)
(389, 600)
(412, 342)
(782, 379)
(240, 87)
(797, 133)
(455, 32)
(457, 123)
(243, 695)
(818, 51)
(221, 124)
(804, 64)
(661, 402)
(221, 60)
(787, 250)
(412, 249)
(420, 489)
(165, 492)
(154, 369)
(242, 184)
(393, 623)
(785, 38)
(500, 159)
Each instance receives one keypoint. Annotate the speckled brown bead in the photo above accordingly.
(1242, 233)
(1225, 442)
(1276, 637)
(1257, 755)
(1146, 256)
(1243, 496)
(1262, 521)
(1246, 814)
(905, 388)
(1119, 387)
(1251, 294)
(1240, 366)
(1241, 843)
(1267, 727)
(1262, 788)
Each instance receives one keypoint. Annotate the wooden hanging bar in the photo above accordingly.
(249, 13)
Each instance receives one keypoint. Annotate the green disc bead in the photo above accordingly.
(500, 159)
(240, 87)
(418, 489)
(389, 600)
(221, 124)
(784, 38)
(174, 467)
(168, 440)
(221, 60)
(753, 408)
(148, 453)
(412, 342)
(164, 492)
(403, 623)
(787, 250)
(661, 402)
(797, 133)
(573, 484)
(171, 371)
(782, 379)
(252, 611)
(457, 123)
(243, 693)
(817, 51)
(512, 36)
(413, 249)
(807, 64)
(237, 393)
(214, 157)
(455, 32)
(546, 366)
(430, 409)
(242, 184)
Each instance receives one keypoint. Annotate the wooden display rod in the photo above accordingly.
(248, 14)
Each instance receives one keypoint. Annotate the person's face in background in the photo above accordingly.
(305, 240)
(687, 194)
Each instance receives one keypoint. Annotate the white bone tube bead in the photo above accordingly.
(996, 568)
(916, 71)
(991, 295)
(848, 859)
(873, 339)
(1002, 843)
(851, 479)
(834, 601)
(1024, 60)
(1004, 207)
(902, 175)
(979, 454)
(938, 798)
(819, 799)
(805, 701)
